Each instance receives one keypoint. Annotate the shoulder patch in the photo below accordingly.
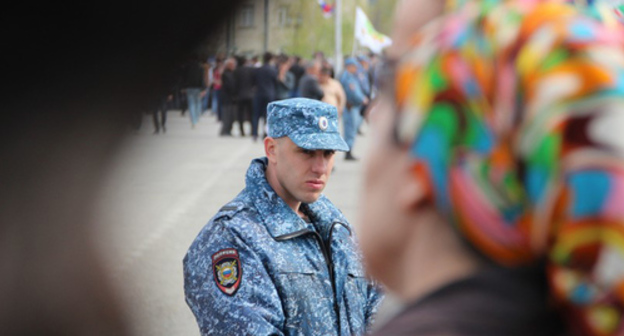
(227, 270)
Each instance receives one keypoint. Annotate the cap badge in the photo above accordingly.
(323, 123)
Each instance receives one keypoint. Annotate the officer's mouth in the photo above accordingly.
(315, 184)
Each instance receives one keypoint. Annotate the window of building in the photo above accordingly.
(282, 16)
(247, 16)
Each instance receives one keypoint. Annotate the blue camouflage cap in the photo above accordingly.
(310, 124)
(351, 61)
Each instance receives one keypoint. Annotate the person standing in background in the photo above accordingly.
(216, 87)
(228, 97)
(298, 71)
(159, 115)
(206, 92)
(255, 61)
(285, 78)
(309, 86)
(355, 100)
(194, 81)
(364, 77)
(244, 87)
(334, 94)
(265, 84)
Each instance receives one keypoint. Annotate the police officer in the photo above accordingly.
(281, 259)
(363, 74)
(356, 98)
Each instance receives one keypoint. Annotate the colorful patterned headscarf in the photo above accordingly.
(514, 114)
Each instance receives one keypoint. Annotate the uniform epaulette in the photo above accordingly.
(229, 210)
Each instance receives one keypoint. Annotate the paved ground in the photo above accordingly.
(162, 191)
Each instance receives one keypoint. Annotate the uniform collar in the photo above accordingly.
(277, 216)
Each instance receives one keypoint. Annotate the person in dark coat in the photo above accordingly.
(265, 83)
(244, 87)
(228, 97)
(285, 78)
(298, 71)
(309, 86)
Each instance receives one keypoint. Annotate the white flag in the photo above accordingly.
(366, 34)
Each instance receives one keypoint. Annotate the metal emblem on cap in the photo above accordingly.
(323, 123)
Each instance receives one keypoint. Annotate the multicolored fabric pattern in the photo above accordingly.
(514, 113)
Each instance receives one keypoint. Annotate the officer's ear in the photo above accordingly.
(270, 149)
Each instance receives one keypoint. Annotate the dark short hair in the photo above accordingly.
(266, 58)
(282, 58)
(241, 60)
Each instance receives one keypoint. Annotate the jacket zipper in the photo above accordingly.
(327, 255)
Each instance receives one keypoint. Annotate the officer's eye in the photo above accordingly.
(329, 153)
(307, 151)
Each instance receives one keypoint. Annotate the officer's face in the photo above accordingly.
(302, 174)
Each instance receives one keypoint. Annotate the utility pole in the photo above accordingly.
(338, 38)
(266, 26)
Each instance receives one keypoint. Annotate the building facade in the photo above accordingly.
(289, 26)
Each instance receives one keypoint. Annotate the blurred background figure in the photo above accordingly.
(207, 87)
(308, 85)
(355, 100)
(265, 84)
(363, 74)
(217, 70)
(160, 114)
(499, 163)
(229, 98)
(298, 71)
(256, 62)
(333, 92)
(330, 67)
(193, 84)
(244, 88)
(102, 66)
(285, 78)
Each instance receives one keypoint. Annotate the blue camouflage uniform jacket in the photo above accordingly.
(362, 75)
(353, 88)
(257, 268)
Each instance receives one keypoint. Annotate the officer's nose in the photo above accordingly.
(319, 163)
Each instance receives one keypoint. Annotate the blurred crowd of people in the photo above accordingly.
(236, 89)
